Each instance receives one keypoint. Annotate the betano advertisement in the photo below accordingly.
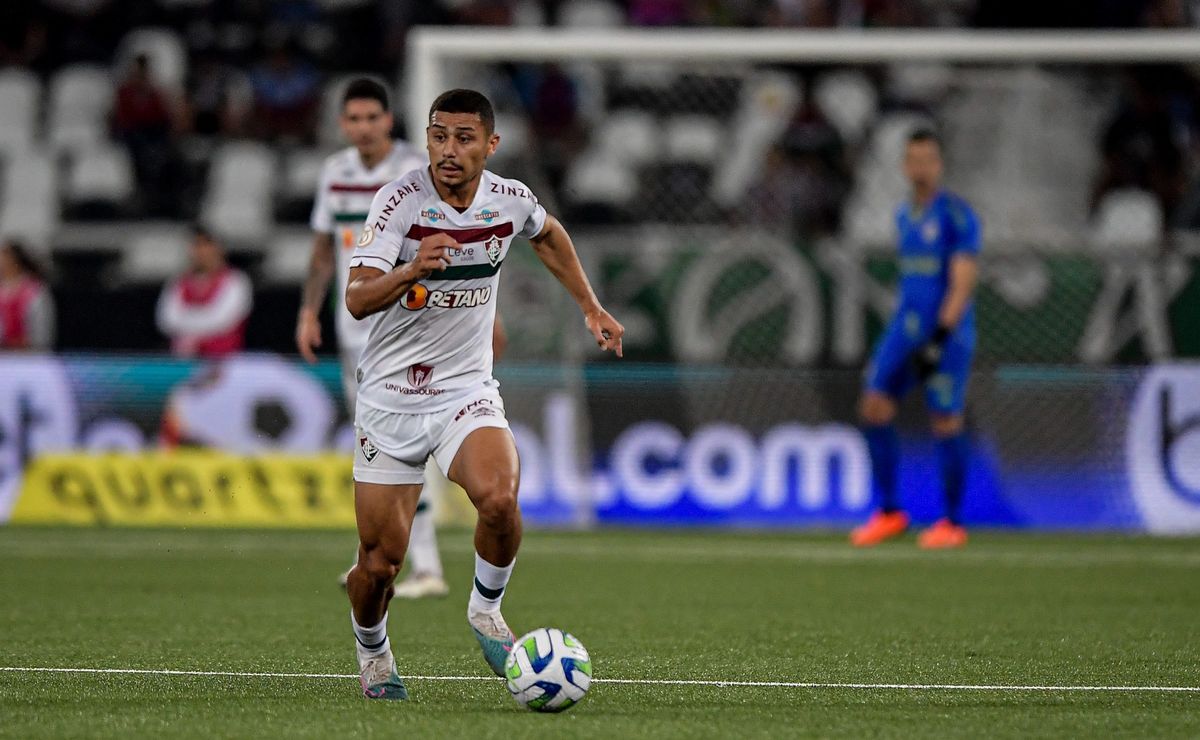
(263, 441)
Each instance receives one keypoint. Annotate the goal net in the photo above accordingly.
(732, 195)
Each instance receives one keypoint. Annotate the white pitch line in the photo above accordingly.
(630, 681)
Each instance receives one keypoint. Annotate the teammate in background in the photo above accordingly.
(349, 180)
(427, 267)
(204, 311)
(26, 306)
(929, 341)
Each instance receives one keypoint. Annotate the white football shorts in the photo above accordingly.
(392, 448)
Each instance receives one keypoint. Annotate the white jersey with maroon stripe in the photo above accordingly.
(340, 209)
(436, 342)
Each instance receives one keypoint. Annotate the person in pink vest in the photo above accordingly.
(204, 311)
(26, 306)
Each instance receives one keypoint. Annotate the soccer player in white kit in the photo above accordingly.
(426, 271)
(349, 181)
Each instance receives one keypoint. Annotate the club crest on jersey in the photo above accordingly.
(369, 450)
(433, 215)
(487, 216)
(493, 247)
(930, 231)
(420, 375)
(366, 237)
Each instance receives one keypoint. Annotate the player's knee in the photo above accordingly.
(498, 501)
(382, 562)
(947, 425)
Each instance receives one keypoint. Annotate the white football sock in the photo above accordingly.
(490, 581)
(372, 641)
(422, 542)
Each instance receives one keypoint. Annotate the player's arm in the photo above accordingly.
(320, 272)
(963, 274)
(371, 290)
(555, 249)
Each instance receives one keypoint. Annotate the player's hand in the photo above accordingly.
(308, 334)
(928, 356)
(607, 330)
(433, 255)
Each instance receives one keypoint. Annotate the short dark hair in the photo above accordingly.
(202, 232)
(922, 134)
(364, 88)
(24, 259)
(465, 101)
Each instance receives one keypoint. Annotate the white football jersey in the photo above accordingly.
(436, 342)
(340, 209)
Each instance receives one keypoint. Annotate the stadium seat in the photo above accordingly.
(1128, 219)
(693, 138)
(629, 136)
(166, 51)
(765, 107)
(81, 97)
(848, 100)
(596, 178)
(20, 103)
(287, 256)
(30, 206)
(100, 175)
(301, 173)
(591, 14)
(155, 255)
(529, 14)
(241, 184)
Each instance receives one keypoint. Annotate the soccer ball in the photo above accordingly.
(548, 670)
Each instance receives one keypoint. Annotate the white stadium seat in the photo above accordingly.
(241, 183)
(301, 173)
(693, 138)
(1128, 219)
(630, 136)
(287, 256)
(595, 178)
(591, 14)
(100, 174)
(848, 100)
(166, 51)
(81, 97)
(20, 103)
(155, 255)
(30, 207)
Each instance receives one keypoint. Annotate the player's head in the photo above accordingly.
(206, 253)
(461, 136)
(923, 160)
(366, 117)
(16, 261)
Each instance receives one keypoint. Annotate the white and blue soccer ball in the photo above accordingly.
(548, 670)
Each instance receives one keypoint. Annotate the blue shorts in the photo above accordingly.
(893, 372)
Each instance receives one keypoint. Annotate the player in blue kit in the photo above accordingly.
(929, 341)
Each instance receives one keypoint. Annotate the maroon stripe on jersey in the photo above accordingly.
(338, 187)
(462, 236)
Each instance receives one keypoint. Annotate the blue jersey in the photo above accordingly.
(928, 239)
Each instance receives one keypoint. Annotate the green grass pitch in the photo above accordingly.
(1011, 610)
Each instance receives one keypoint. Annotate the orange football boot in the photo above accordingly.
(944, 534)
(881, 526)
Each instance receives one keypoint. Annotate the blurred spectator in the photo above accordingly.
(22, 33)
(218, 98)
(286, 93)
(659, 12)
(26, 306)
(204, 311)
(556, 125)
(142, 120)
(1141, 146)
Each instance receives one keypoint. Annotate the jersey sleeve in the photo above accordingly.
(321, 220)
(383, 235)
(965, 227)
(535, 221)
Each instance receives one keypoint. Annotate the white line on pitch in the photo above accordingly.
(633, 681)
